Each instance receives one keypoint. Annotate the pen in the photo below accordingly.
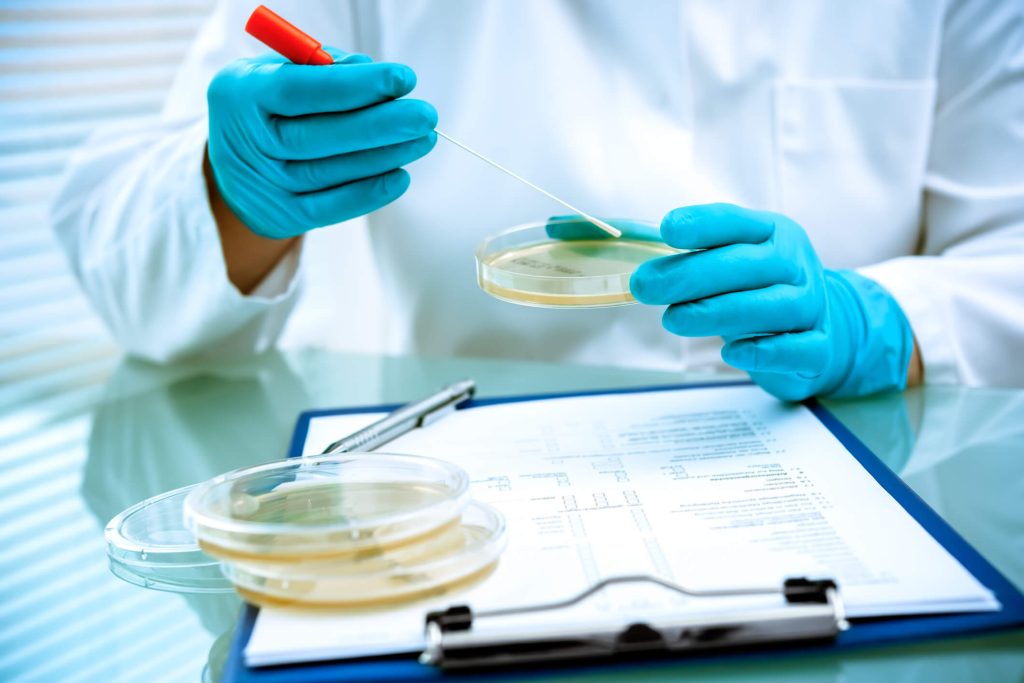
(408, 417)
(281, 36)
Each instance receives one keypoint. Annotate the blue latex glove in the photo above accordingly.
(798, 329)
(297, 147)
(574, 227)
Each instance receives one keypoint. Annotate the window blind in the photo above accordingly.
(66, 67)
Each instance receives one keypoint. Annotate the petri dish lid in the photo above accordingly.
(148, 545)
(437, 566)
(566, 263)
(326, 506)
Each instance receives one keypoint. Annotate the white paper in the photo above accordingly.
(711, 488)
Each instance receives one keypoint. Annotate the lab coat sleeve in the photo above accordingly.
(135, 222)
(964, 292)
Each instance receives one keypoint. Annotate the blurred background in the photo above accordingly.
(66, 67)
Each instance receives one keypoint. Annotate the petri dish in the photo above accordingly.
(581, 268)
(325, 507)
(430, 568)
(148, 545)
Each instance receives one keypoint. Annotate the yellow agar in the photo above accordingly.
(433, 568)
(332, 503)
(573, 273)
(353, 602)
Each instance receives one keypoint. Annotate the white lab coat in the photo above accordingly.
(893, 132)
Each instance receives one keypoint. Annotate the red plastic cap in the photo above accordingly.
(279, 35)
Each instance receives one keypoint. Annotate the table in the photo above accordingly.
(76, 453)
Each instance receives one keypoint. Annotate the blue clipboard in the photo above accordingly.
(861, 634)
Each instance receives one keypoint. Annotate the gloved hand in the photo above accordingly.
(296, 147)
(798, 329)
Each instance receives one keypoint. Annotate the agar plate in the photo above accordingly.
(449, 561)
(566, 263)
(320, 507)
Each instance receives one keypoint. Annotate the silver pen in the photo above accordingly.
(410, 416)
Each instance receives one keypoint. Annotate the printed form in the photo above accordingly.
(710, 488)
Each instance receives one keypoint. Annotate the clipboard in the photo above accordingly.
(861, 633)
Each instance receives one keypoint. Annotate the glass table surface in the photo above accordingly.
(77, 450)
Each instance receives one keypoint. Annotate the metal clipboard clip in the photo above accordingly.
(813, 613)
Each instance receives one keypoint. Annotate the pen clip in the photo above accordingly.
(443, 410)
(400, 421)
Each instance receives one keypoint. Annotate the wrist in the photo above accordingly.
(248, 257)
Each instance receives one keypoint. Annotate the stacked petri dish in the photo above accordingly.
(346, 531)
